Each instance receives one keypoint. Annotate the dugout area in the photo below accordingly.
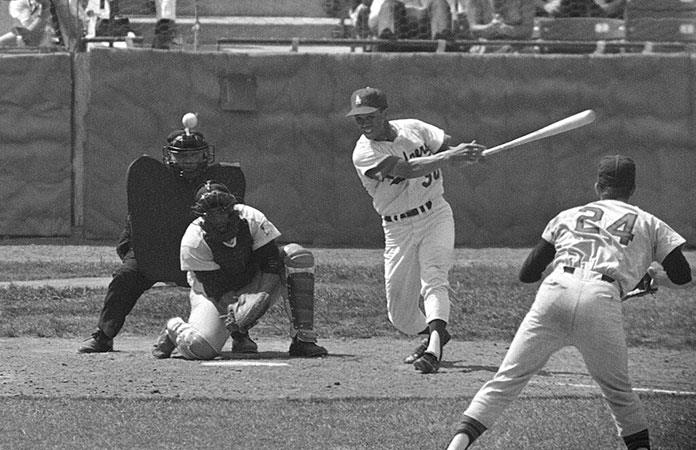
(70, 124)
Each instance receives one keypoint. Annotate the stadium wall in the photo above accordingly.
(282, 117)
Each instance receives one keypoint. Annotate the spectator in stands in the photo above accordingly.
(34, 24)
(165, 28)
(358, 14)
(410, 19)
(586, 8)
(501, 20)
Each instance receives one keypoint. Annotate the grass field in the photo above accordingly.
(488, 304)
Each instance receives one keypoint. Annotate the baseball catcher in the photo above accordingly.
(236, 272)
(160, 194)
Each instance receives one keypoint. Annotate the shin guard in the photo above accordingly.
(299, 264)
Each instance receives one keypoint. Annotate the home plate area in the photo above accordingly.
(243, 363)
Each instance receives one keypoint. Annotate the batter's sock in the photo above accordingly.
(637, 440)
(471, 427)
(437, 332)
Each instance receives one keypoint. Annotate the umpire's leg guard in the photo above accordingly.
(299, 267)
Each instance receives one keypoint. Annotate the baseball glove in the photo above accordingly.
(645, 286)
(246, 311)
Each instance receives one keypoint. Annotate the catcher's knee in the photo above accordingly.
(297, 258)
(190, 343)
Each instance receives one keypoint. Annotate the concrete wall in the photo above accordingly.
(284, 121)
(35, 144)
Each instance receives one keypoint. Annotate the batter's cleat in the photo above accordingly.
(302, 349)
(242, 343)
(98, 342)
(428, 363)
(164, 346)
(423, 346)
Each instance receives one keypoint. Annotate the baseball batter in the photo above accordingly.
(230, 255)
(399, 163)
(597, 252)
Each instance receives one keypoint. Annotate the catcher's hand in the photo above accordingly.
(246, 311)
(645, 286)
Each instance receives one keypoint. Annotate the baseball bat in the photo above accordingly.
(569, 123)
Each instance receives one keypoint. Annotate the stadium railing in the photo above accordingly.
(533, 45)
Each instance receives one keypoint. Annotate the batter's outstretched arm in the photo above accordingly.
(423, 165)
(541, 256)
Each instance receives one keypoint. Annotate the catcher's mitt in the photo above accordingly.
(246, 311)
(645, 286)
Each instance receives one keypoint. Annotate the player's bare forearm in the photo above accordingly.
(423, 165)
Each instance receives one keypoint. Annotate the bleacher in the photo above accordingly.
(301, 25)
(199, 24)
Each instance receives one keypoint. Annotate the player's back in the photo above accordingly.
(611, 237)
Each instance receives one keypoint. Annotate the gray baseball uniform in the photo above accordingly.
(597, 252)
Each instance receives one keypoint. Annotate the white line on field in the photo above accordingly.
(649, 390)
(243, 363)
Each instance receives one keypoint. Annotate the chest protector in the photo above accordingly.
(236, 261)
(159, 205)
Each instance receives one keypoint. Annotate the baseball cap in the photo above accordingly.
(616, 171)
(366, 101)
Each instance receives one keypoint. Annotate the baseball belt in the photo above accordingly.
(410, 213)
(601, 276)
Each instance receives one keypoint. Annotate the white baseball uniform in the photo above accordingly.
(196, 255)
(602, 249)
(418, 225)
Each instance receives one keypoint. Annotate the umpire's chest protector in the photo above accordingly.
(159, 204)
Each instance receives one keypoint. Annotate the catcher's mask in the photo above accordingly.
(215, 204)
(188, 152)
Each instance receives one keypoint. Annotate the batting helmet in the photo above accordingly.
(183, 145)
(213, 196)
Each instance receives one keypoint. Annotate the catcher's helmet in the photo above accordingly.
(213, 196)
(187, 151)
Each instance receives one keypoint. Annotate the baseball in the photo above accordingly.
(190, 120)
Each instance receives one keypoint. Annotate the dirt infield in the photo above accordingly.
(51, 367)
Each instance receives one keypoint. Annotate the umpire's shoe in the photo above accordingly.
(423, 346)
(98, 342)
(242, 343)
(302, 349)
(164, 346)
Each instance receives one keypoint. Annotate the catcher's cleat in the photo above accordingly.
(242, 343)
(164, 346)
(98, 342)
(302, 349)
(423, 346)
(428, 363)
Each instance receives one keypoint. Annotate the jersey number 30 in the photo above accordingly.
(622, 228)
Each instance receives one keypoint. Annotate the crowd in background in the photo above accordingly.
(467, 19)
(385, 19)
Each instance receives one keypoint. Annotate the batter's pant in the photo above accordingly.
(417, 258)
(583, 313)
(126, 287)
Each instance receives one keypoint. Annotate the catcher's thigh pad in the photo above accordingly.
(190, 343)
(299, 263)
